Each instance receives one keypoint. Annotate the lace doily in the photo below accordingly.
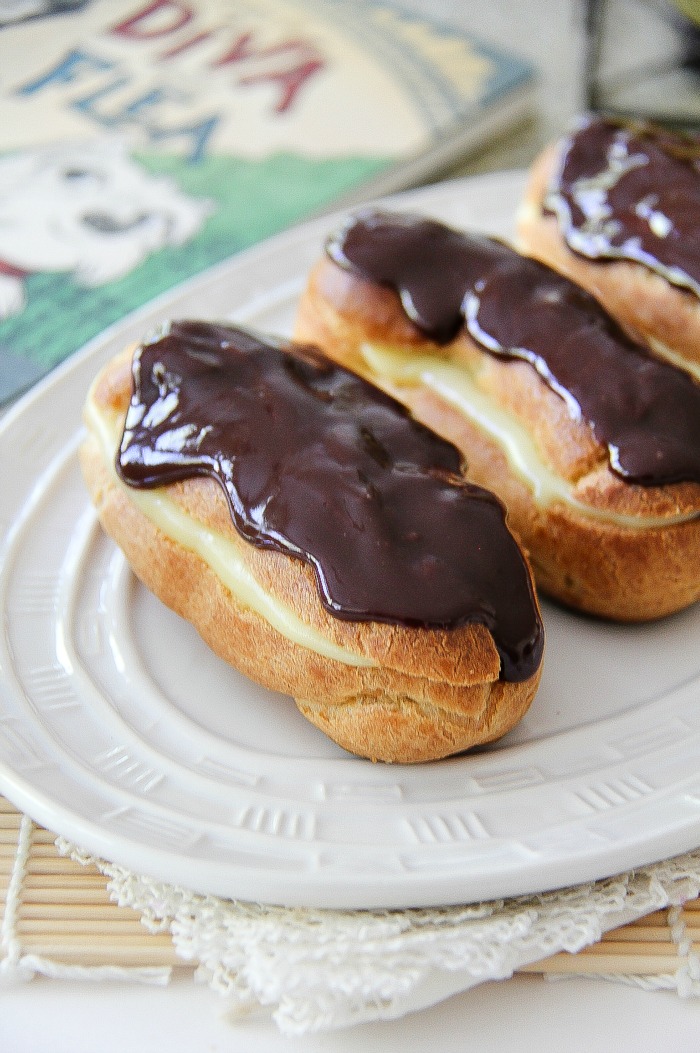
(326, 969)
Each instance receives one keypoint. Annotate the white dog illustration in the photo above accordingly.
(87, 209)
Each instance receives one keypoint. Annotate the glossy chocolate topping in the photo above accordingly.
(318, 464)
(632, 191)
(644, 410)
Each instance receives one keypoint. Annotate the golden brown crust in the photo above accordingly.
(429, 694)
(650, 308)
(599, 566)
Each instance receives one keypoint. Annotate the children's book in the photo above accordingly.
(142, 141)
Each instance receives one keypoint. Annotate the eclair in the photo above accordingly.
(615, 205)
(592, 443)
(320, 539)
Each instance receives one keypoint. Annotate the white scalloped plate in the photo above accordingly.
(121, 731)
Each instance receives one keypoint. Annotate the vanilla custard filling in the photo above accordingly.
(217, 551)
(455, 386)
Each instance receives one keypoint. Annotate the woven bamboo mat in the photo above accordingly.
(62, 912)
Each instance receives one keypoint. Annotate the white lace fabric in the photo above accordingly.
(326, 969)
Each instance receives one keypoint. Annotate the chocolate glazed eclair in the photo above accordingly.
(320, 539)
(592, 442)
(615, 205)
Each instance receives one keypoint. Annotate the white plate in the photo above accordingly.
(121, 731)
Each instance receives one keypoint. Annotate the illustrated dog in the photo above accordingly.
(87, 209)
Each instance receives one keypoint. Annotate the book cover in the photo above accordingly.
(144, 141)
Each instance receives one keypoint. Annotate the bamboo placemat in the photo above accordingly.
(62, 911)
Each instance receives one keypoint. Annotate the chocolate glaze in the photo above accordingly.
(318, 464)
(644, 410)
(632, 191)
